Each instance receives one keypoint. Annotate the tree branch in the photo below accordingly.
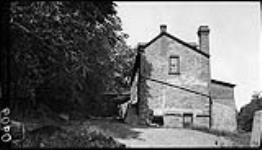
(34, 35)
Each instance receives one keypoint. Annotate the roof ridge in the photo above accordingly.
(178, 40)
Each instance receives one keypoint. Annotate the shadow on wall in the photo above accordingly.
(146, 114)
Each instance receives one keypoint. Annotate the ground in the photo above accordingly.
(135, 137)
(174, 137)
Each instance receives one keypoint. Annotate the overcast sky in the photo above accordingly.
(234, 35)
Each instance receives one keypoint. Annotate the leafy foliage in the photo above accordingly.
(57, 137)
(246, 114)
(66, 53)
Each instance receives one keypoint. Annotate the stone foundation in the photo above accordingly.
(131, 116)
(173, 120)
(223, 117)
(201, 121)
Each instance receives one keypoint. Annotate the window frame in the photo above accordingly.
(177, 72)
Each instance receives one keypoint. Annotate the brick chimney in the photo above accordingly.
(163, 28)
(203, 35)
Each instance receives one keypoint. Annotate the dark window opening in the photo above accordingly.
(174, 65)
(187, 120)
(158, 120)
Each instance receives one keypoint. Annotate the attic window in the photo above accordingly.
(173, 65)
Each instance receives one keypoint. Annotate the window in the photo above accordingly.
(173, 65)
(187, 120)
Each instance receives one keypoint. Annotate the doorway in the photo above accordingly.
(187, 120)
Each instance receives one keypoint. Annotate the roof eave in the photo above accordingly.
(222, 83)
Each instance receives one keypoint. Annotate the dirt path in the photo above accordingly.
(135, 137)
(173, 137)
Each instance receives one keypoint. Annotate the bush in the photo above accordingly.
(246, 114)
(57, 137)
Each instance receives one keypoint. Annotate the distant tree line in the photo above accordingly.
(64, 54)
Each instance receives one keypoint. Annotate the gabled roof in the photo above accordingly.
(222, 83)
(178, 40)
(145, 45)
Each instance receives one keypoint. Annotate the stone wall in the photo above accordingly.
(222, 94)
(223, 109)
(202, 121)
(194, 67)
(256, 136)
(131, 115)
(223, 117)
(133, 91)
(173, 120)
(157, 89)
(194, 75)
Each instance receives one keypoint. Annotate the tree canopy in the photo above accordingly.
(247, 112)
(67, 52)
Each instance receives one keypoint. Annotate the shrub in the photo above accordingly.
(57, 137)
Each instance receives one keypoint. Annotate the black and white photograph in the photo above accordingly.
(131, 74)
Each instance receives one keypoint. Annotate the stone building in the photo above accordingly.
(172, 78)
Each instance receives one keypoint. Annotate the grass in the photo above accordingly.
(113, 128)
(76, 134)
(239, 139)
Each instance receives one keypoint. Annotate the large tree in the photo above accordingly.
(66, 53)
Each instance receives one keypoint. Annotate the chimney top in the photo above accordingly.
(163, 28)
(203, 29)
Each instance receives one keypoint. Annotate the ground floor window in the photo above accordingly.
(187, 120)
(158, 120)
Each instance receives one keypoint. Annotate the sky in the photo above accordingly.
(235, 36)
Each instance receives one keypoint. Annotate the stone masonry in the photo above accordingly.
(223, 108)
(183, 98)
